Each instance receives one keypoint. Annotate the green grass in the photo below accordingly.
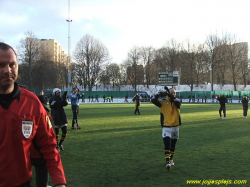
(116, 148)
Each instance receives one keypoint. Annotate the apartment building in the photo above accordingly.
(55, 49)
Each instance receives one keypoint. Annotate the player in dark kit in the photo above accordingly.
(223, 101)
(56, 104)
(245, 101)
(42, 175)
(136, 99)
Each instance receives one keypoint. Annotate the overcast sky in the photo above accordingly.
(122, 24)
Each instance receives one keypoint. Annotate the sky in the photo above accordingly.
(123, 24)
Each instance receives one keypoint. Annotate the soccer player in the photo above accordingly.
(23, 122)
(56, 104)
(137, 101)
(170, 121)
(223, 101)
(42, 176)
(245, 101)
(74, 97)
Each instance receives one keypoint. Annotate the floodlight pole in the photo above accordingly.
(69, 46)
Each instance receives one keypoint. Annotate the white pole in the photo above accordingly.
(69, 47)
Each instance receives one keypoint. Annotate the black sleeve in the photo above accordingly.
(42, 99)
(57, 102)
(155, 101)
(64, 97)
(133, 99)
(177, 103)
(53, 103)
(64, 103)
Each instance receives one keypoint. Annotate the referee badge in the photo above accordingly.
(27, 128)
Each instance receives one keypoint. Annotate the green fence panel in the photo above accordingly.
(211, 94)
(115, 94)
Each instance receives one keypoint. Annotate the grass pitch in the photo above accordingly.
(116, 148)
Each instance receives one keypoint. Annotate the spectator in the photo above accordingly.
(97, 98)
(230, 98)
(126, 99)
(213, 98)
(108, 99)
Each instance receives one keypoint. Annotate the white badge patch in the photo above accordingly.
(27, 128)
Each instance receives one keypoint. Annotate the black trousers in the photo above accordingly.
(64, 134)
(42, 175)
(75, 110)
(222, 108)
(245, 109)
(137, 109)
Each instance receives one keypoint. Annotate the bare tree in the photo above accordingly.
(172, 55)
(213, 42)
(104, 77)
(202, 64)
(28, 52)
(147, 54)
(111, 75)
(167, 57)
(236, 57)
(228, 59)
(160, 59)
(188, 58)
(113, 72)
(37, 68)
(123, 72)
(134, 71)
(90, 54)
